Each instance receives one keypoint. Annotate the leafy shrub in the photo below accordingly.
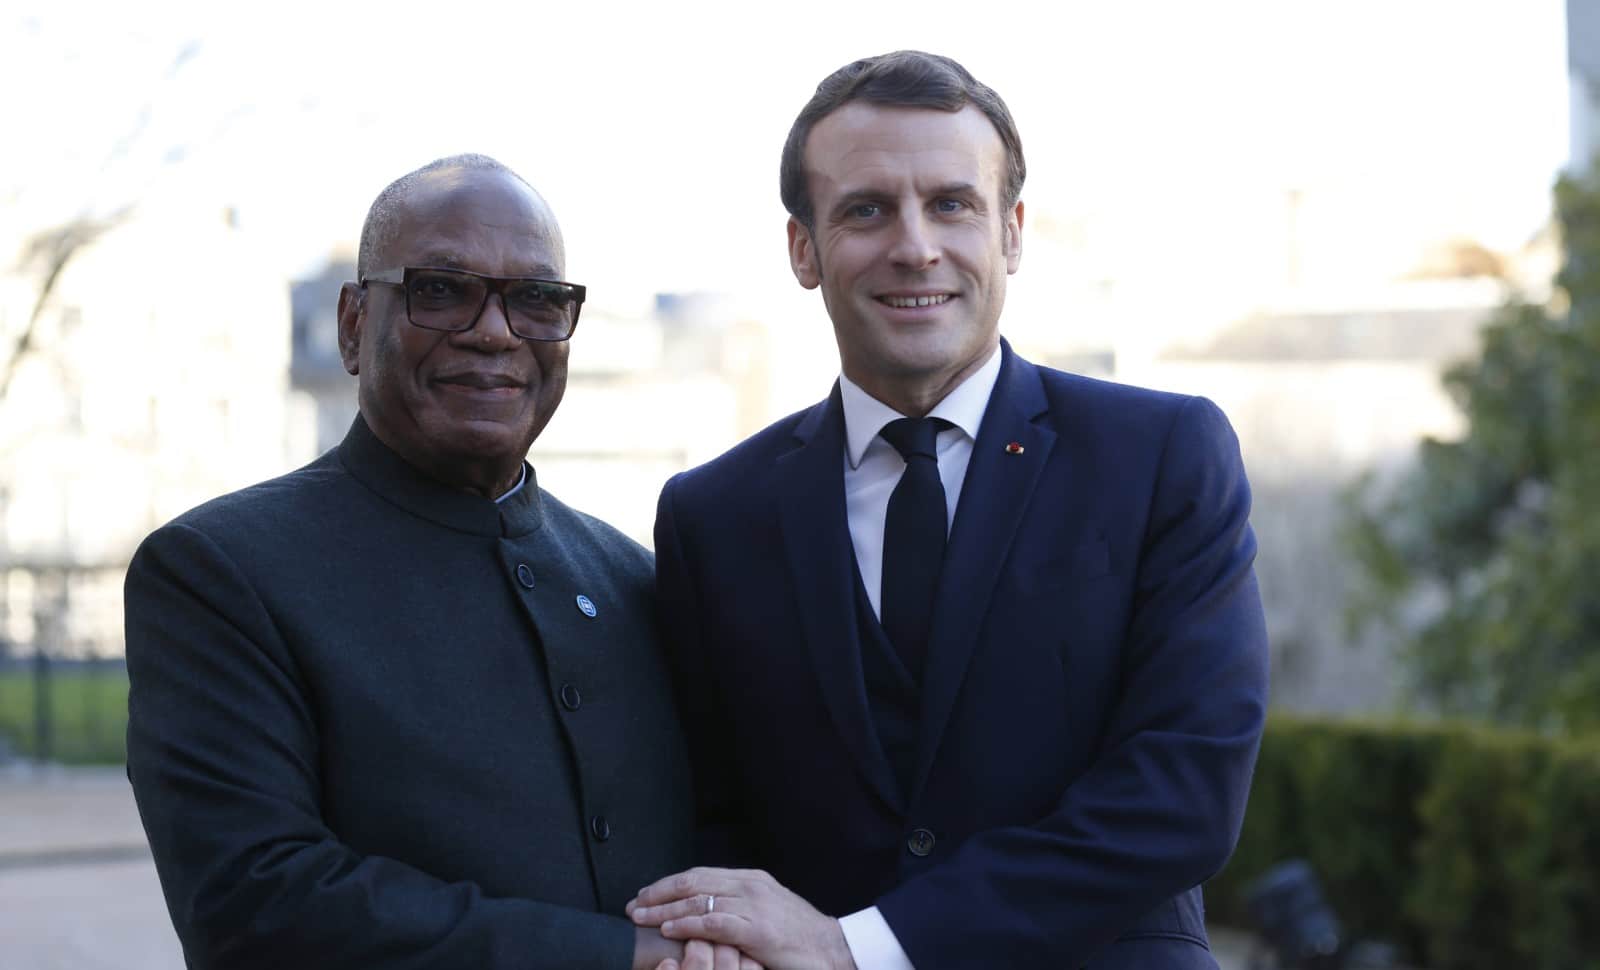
(1470, 847)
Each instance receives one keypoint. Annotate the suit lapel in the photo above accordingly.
(810, 496)
(995, 494)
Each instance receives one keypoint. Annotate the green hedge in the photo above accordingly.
(88, 707)
(1473, 848)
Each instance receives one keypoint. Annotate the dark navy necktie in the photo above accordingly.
(913, 540)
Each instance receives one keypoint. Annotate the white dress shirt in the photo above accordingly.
(872, 468)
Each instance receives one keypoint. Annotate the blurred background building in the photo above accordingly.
(1583, 71)
(177, 354)
(1304, 212)
(144, 372)
(1304, 265)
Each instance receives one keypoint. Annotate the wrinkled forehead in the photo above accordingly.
(862, 144)
(483, 221)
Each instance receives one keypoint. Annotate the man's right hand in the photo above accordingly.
(652, 951)
(700, 955)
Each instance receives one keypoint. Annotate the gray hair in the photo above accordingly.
(383, 219)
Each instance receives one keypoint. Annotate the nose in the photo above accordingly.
(492, 330)
(915, 245)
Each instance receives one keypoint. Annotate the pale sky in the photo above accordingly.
(1167, 131)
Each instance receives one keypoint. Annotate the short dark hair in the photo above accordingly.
(383, 218)
(907, 79)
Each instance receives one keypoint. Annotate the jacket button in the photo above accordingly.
(524, 575)
(570, 698)
(599, 828)
(920, 843)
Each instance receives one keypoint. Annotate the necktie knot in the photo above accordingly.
(914, 437)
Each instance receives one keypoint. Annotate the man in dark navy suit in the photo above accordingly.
(971, 653)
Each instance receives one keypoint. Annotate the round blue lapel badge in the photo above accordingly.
(586, 605)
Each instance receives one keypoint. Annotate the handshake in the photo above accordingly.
(732, 919)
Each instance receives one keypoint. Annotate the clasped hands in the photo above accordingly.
(739, 919)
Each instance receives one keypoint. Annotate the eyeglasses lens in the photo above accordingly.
(536, 309)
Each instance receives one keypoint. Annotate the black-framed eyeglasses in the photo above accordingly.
(452, 300)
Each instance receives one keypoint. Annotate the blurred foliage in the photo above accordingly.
(88, 712)
(1470, 847)
(1485, 555)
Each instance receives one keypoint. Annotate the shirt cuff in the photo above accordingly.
(872, 944)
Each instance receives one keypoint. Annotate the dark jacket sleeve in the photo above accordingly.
(223, 756)
(721, 834)
(1159, 810)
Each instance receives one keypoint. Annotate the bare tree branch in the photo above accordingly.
(50, 251)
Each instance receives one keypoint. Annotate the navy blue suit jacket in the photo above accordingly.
(1093, 700)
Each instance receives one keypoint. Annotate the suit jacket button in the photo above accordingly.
(599, 828)
(524, 575)
(570, 698)
(920, 843)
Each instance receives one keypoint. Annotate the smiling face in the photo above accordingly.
(912, 245)
(461, 407)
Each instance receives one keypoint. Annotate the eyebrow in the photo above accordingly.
(856, 196)
(444, 259)
(961, 190)
(440, 258)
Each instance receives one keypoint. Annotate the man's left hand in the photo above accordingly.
(748, 909)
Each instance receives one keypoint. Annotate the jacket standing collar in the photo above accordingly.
(374, 465)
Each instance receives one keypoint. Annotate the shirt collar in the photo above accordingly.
(865, 415)
(522, 479)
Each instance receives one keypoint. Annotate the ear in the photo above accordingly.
(1011, 239)
(352, 314)
(803, 255)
